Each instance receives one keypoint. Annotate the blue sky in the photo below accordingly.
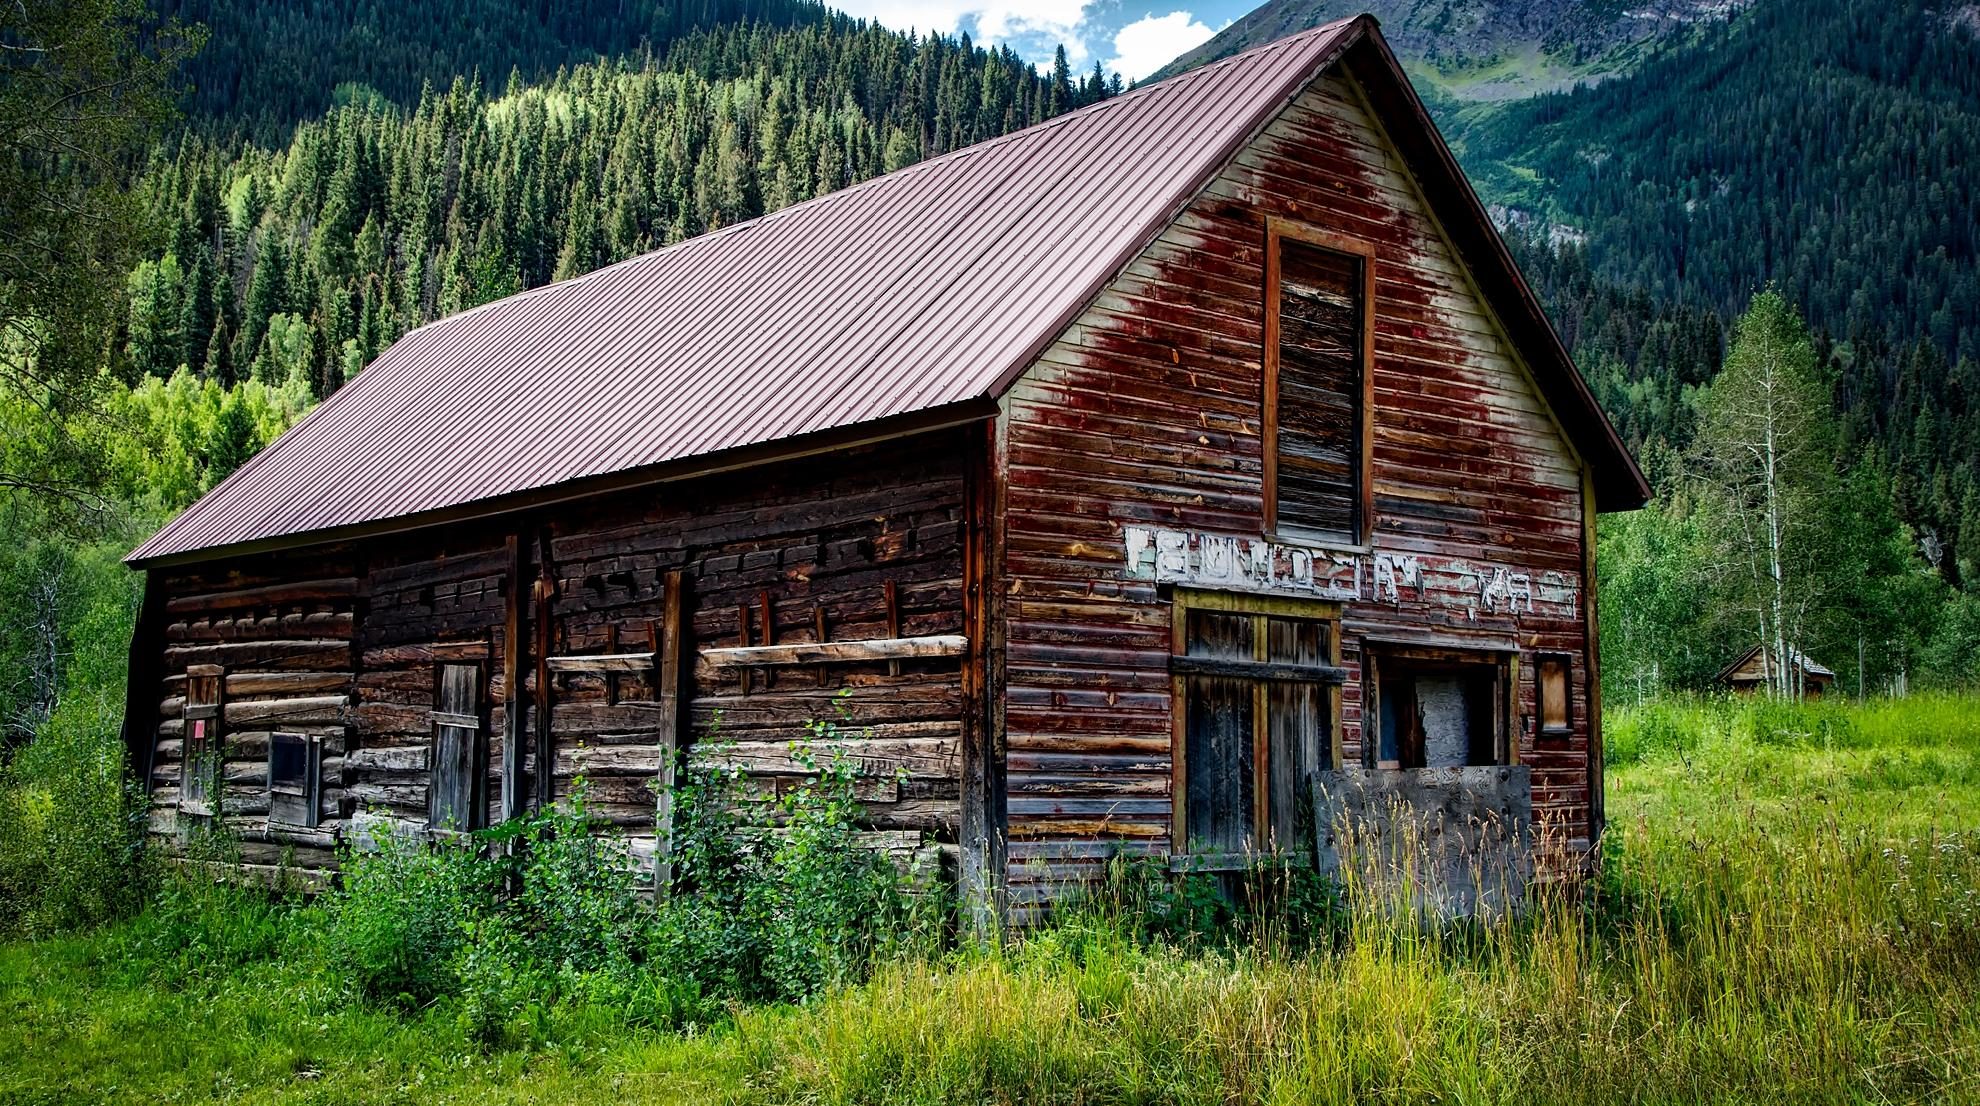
(1133, 37)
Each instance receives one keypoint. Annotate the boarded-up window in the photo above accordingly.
(200, 775)
(1551, 693)
(1438, 713)
(1317, 364)
(295, 781)
(1257, 718)
(455, 786)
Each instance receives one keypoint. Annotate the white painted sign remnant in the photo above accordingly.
(1222, 562)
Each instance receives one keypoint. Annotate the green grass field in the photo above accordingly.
(1790, 913)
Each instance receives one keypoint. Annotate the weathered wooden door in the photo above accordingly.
(456, 791)
(1220, 752)
(201, 750)
(1257, 684)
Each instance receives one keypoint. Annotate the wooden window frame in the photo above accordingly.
(1276, 232)
(1541, 730)
(212, 749)
(1261, 607)
(478, 753)
(1505, 668)
(310, 794)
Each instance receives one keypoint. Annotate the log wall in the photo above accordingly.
(1147, 413)
(345, 643)
(282, 632)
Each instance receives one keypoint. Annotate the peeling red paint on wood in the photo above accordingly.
(1149, 414)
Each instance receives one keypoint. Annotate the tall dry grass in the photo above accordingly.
(1767, 925)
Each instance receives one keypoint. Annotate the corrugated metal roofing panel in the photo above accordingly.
(914, 292)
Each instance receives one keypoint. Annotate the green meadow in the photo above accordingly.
(1787, 910)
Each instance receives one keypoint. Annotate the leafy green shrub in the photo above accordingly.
(405, 912)
(576, 902)
(784, 906)
(503, 991)
(71, 826)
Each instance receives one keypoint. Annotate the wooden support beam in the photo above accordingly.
(607, 663)
(611, 677)
(668, 689)
(838, 652)
(769, 631)
(742, 629)
(512, 701)
(287, 593)
(819, 635)
(545, 593)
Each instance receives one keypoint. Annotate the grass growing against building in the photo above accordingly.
(1789, 911)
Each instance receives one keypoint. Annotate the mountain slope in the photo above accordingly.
(1837, 154)
(270, 63)
(305, 260)
(1832, 150)
(1483, 49)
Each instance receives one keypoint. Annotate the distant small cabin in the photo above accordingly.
(1755, 668)
(1128, 482)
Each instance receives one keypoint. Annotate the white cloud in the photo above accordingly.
(1153, 41)
(1031, 27)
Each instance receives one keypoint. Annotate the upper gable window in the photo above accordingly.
(1319, 326)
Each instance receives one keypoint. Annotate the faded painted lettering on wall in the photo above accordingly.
(1230, 563)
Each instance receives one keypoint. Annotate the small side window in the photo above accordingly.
(1551, 697)
(199, 770)
(295, 779)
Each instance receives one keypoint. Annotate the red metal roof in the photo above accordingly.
(917, 292)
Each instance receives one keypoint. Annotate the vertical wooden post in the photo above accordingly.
(1592, 671)
(546, 595)
(668, 691)
(1337, 753)
(893, 623)
(1261, 740)
(769, 633)
(982, 852)
(818, 635)
(512, 678)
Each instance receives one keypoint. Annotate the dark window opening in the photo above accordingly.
(456, 789)
(1316, 389)
(294, 779)
(1438, 713)
(1258, 706)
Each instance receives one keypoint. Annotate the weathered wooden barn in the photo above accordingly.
(1125, 470)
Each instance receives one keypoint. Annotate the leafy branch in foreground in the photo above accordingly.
(83, 85)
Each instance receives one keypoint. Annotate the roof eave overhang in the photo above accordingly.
(894, 427)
